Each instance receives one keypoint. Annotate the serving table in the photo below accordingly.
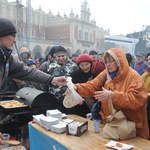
(41, 139)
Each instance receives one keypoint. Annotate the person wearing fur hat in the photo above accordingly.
(14, 68)
(24, 54)
(82, 75)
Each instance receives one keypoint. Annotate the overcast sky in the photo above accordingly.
(120, 16)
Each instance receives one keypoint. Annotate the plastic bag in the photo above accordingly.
(73, 98)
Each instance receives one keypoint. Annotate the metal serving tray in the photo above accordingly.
(13, 103)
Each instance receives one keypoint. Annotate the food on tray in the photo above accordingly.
(11, 104)
(119, 145)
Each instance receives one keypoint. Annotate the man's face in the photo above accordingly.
(74, 58)
(139, 59)
(61, 58)
(8, 41)
(94, 57)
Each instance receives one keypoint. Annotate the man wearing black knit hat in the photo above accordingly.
(13, 68)
(6, 27)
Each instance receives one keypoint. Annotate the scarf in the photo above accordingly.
(5, 52)
(4, 56)
(113, 75)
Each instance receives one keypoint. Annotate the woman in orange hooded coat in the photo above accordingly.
(124, 85)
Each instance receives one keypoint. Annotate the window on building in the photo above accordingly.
(86, 36)
(80, 35)
(43, 35)
(33, 33)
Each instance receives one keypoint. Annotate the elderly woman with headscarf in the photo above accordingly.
(124, 86)
(82, 75)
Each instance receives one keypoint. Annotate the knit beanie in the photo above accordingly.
(83, 58)
(31, 62)
(92, 52)
(6, 27)
(60, 49)
(52, 50)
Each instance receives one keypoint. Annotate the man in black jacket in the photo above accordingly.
(14, 68)
(10, 67)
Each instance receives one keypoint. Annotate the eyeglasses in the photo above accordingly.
(13, 35)
(111, 61)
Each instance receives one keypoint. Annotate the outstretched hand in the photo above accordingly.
(102, 95)
(60, 81)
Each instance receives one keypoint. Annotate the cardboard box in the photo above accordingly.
(76, 128)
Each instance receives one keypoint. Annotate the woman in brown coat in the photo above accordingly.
(124, 85)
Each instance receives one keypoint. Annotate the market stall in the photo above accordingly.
(40, 138)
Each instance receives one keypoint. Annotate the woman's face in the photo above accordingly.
(111, 64)
(85, 66)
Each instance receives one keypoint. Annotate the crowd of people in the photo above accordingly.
(115, 75)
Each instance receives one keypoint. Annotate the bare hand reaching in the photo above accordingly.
(60, 81)
(103, 95)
